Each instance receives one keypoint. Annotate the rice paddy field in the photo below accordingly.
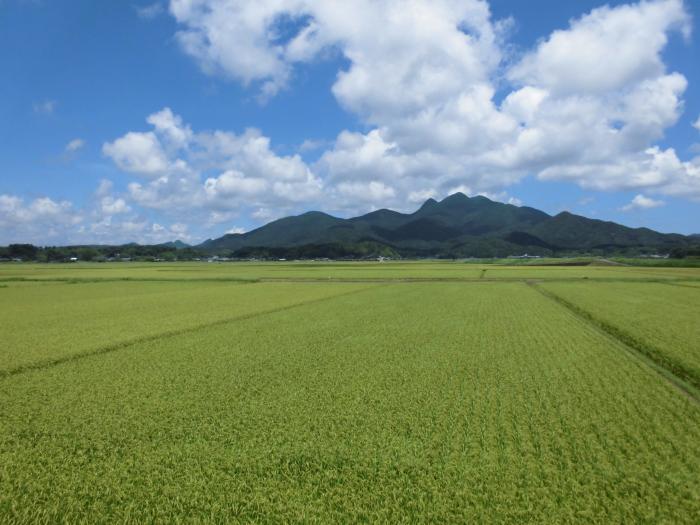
(410, 392)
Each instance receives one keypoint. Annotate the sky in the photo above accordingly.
(149, 121)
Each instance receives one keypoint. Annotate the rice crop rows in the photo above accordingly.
(355, 270)
(661, 320)
(43, 324)
(405, 402)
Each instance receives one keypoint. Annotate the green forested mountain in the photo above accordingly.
(457, 226)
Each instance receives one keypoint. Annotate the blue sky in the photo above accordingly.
(149, 121)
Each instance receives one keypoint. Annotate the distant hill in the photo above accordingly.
(457, 226)
(178, 244)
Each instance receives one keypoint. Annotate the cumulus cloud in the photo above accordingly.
(640, 202)
(311, 145)
(420, 43)
(210, 172)
(107, 219)
(74, 145)
(585, 104)
(138, 153)
(605, 50)
(113, 206)
(374, 192)
(150, 11)
(171, 128)
(441, 106)
(39, 220)
(131, 229)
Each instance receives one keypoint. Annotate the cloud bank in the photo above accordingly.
(586, 105)
(441, 101)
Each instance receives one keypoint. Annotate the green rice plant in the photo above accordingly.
(413, 402)
(659, 320)
(49, 323)
(327, 271)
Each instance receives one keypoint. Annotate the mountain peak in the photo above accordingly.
(564, 214)
(428, 204)
(314, 214)
(458, 225)
(455, 197)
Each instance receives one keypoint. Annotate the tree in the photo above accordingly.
(26, 252)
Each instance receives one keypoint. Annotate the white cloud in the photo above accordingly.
(233, 183)
(74, 145)
(104, 188)
(420, 196)
(45, 107)
(109, 219)
(640, 202)
(514, 201)
(587, 105)
(501, 196)
(606, 50)
(373, 192)
(13, 208)
(212, 171)
(236, 229)
(265, 214)
(696, 124)
(150, 11)
(170, 127)
(524, 104)
(654, 169)
(113, 206)
(217, 217)
(134, 229)
(138, 153)
(39, 221)
(311, 145)
(233, 38)
(418, 47)
(432, 124)
(112, 220)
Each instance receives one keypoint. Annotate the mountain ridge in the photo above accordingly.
(458, 226)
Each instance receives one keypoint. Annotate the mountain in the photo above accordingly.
(457, 226)
(177, 244)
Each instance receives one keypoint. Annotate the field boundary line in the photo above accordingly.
(82, 280)
(682, 284)
(675, 374)
(371, 280)
(43, 365)
(477, 279)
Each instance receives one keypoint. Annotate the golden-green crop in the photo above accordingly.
(466, 401)
(661, 320)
